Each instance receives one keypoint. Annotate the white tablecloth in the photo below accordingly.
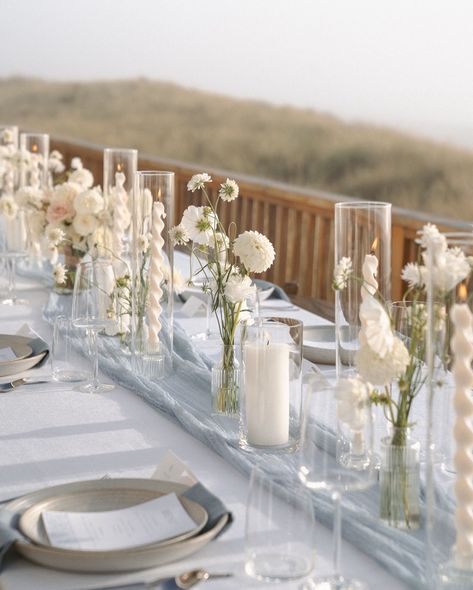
(51, 434)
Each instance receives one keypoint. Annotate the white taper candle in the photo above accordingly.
(121, 217)
(462, 348)
(155, 274)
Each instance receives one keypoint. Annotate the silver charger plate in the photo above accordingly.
(20, 346)
(110, 561)
(319, 346)
(32, 526)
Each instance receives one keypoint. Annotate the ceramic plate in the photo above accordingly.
(319, 346)
(32, 526)
(110, 561)
(20, 346)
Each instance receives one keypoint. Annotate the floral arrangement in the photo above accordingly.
(225, 263)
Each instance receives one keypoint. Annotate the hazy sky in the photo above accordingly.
(403, 62)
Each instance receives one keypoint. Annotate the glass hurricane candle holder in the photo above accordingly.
(152, 274)
(34, 153)
(119, 169)
(363, 235)
(270, 396)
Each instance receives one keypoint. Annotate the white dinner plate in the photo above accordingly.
(319, 346)
(98, 500)
(21, 347)
(110, 561)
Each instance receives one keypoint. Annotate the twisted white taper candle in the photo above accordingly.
(462, 348)
(121, 218)
(155, 274)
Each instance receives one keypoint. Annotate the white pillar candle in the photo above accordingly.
(462, 347)
(267, 393)
(155, 275)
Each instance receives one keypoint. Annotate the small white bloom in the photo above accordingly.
(239, 288)
(198, 181)
(381, 371)
(8, 207)
(85, 225)
(342, 273)
(55, 163)
(228, 190)
(54, 235)
(199, 223)
(143, 242)
(178, 235)
(414, 275)
(179, 282)
(89, 201)
(352, 396)
(376, 331)
(76, 163)
(430, 236)
(450, 268)
(59, 274)
(83, 177)
(254, 250)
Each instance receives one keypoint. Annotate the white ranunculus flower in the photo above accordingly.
(59, 274)
(89, 201)
(239, 288)
(198, 181)
(199, 223)
(352, 397)
(381, 371)
(83, 177)
(254, 250)
(84, 225)
(8, 207)
(228, 190)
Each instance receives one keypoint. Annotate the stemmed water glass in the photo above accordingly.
(13, 247)
(95, 308)
(336, 455)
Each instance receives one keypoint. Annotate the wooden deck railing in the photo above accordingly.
(299, 222)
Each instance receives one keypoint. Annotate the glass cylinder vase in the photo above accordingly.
(362, 235)
(271, 385)
(399, 480)
(226, 381)
(152, 274)
(450, 499)
(119, 168)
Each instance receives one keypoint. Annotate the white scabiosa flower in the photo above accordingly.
(178, 235)
(8, 207)
(89, 201)
(228, 190)
(239, 288)
(59, 274)
(54, 235)
(352, 397)
(198, 181)
(378, 370)
(254, 250)
(342, 273)
(85, 225)
(199, 224)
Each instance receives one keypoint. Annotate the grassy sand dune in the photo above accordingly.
(292, 145)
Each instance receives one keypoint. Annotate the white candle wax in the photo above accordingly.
(121, 216)
(155, 275)
(369, 271)
(462, 347)
(267, 393)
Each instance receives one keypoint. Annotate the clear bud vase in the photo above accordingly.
(226, 381)
(152, 274)
(400, 480)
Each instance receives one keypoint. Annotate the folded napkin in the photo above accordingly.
(9, 532)
(278, 292)
(37, 344)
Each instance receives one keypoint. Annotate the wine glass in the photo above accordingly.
(13, 247)
(95, 308)
(337, 453)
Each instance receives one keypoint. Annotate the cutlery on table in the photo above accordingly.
(19, 382)
(184, 581)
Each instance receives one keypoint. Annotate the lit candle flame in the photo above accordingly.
(119, 167)
(34, 148)
(374, 245)
(462, 292)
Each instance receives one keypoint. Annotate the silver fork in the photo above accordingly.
(4, 387)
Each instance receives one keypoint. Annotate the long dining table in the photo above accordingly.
(51, 433)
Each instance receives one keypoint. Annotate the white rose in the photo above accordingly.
(83, 177)
(85, 225)
(90, 201)
(238, 288)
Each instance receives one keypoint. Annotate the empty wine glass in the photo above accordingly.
(95, 308)
(336, 454)
(13, 247)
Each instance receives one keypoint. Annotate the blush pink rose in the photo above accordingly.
(58, 212)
